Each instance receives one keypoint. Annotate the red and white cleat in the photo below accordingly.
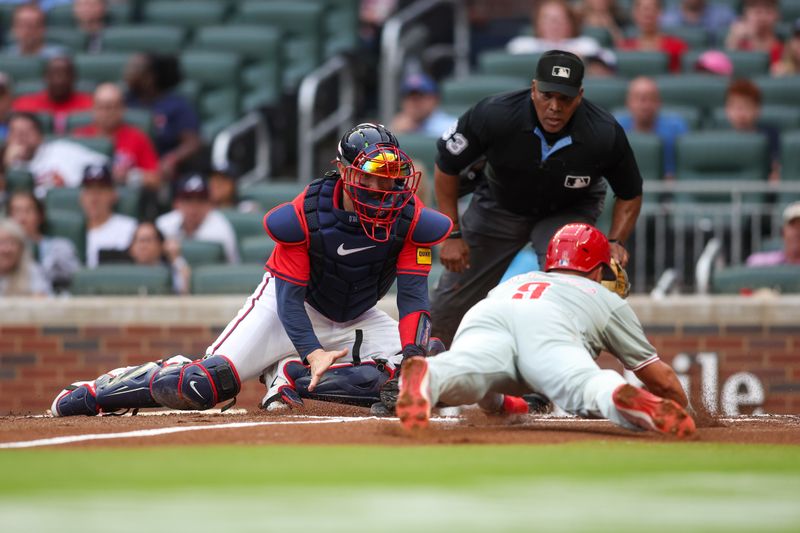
(414, 402)
(514, 405)
(652, 412)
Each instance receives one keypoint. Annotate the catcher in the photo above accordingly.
(541, 332)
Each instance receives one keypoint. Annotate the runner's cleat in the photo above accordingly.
(286, 399)
(514, 405)
(652, 412)
(413, 403)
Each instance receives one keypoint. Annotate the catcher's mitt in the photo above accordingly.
(621, 285)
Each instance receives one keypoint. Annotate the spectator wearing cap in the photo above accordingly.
(743, 110)
(91, 17)
(28, 29)
(714, 62)
(194, 217)
(713, 17)
(790, 254)
(59, 98)
(644, 115)
(6, 98)
(789, 65)
(419, 108)
(150, 248)
(555, 26)
(105, 230)
(549, 153)
(755, 29)
(649, 36)
(56, 163)
(222, 191)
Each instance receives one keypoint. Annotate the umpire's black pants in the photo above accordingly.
(494, 236)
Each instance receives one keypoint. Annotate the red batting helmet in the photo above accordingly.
(579, 247)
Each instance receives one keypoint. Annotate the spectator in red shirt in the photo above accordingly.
(646, 15)
(755, 29)
(59, 97)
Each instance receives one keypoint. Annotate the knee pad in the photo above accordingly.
(197, 385)
(355, 385)
(128, 390)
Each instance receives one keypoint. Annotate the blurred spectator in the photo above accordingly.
(57, 163)
(646, 14)
(555, 26)
(419, 108)
(6, 97)
(714, 62)
(603, 14)
(602, 64)
(135, 158)
(28, 29)
(148, 247)
(57, 255)
(644, 115)
(105, 230)
(59, 97)
(19, 273)
(755, 29)
(194, 217)
(790, 255)
(151, 80)
(90, 16)
(713, 17)
(743, 109)
(223, 194)
(789, 65)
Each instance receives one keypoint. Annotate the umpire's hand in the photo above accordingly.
(454, 255)
(320, 360)
(619, 253)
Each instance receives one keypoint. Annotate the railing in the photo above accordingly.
(670, 236)
(397, 40)
(311, 130)
(230, 138)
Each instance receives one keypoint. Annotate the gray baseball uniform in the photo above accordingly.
(542, 332)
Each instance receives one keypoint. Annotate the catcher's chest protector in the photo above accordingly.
(349, 271)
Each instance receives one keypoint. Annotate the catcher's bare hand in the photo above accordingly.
(320, 361)
(454, 255)
(619, 253)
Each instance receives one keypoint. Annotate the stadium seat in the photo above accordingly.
(632, 63)
(271, 194)
(106, 66)
(783, 117)
(422, 149)
(458, 95)
(704, 91)
(98, 144)
(128, 201)
(122, 280)
(301, 24)
(725, 155)
(22, 68)
(782, 278)
(690, 114)
(227, 279)
(600, 34)
(198, 253)
(649, 152)
(256, 249)
(746, 64)
(790, 163)
(502, 63)
(144, 38)
(69, 38)
(63, 199)
(790, 10)
(783, 90)
(68, 224)
(341, 26)
(608, 93)
(696, 37)
(186, 15)
(217, 74)
(18, 179)
(245, 224)
(61, 15)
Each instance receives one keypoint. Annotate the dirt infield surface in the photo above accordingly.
(323, 423)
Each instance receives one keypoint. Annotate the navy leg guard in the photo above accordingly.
(197, 385)
(129, 390)
(354, 385)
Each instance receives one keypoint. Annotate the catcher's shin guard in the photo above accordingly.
(354, 385)
(198, 385)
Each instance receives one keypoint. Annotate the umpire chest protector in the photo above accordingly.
(349, 271)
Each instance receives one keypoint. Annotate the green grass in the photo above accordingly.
(596, 486)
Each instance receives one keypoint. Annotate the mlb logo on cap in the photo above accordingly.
(561, 72)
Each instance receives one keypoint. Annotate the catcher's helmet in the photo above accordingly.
(579, 247)
(378, 177)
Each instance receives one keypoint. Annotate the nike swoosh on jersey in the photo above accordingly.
(341, 250)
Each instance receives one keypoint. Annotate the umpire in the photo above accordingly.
(546, 153)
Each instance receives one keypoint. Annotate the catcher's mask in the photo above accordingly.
(580, 247)
(380, 182)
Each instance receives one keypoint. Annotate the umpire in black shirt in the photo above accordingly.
(546, 153)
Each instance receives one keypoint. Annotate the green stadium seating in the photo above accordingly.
(649, 152)
(98, 144)
(790, 163)
(106, 66)
(695, 37)
(726, 155)
(608, 93)
(122, 280)
(690, 114)
(245, 224)
(458, 95)
(227, 279)
(790, 10)
(128, 201)
(502, 63)
(782, 278)
(422, 150)
(22, 68)
(256, 249)
(61, 15)
(63, 199)
(7, 14)
(28, 87)
(68, 224)
(18, 179)
(704, 91)
(183, 14)
(783, 117)
(746, 64)
(217, 74)
(783, 90)
(69, 38)
(198, 253)
(600, 34)
(341, 26)
(632, 63)
(271, 194)
(144, 38)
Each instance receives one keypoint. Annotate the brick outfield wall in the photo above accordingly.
(46, 346)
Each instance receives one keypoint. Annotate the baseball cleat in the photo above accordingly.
(286, 399)
(78, 398)
(651, 412)
(414, 403)
(514, 405)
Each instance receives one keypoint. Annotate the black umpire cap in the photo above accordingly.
(560, 72)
